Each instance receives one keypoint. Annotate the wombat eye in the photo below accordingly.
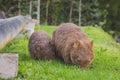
(38, 47)
(78, 60)
(85, 62)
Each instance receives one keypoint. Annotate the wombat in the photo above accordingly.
(40, 46)
(72, 45)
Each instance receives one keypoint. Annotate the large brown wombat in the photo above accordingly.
(40, 46)
(73, 45)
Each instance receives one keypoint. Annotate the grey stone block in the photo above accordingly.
(8, 65)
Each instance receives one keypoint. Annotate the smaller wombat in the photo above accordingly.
(40, 46)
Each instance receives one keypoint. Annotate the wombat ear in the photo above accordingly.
(77, 44)
(92, 44)
(51, 43)
(38, 47)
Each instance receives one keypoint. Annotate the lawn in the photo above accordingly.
(106, 64)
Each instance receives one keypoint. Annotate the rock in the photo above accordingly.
(8, 65)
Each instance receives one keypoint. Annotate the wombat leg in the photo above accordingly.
(67, 60)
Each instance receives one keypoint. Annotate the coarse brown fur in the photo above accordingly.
(40, 46)
(73, 45)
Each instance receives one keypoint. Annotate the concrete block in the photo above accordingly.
(8, 65)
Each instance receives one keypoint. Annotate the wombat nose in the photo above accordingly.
(85, 62)
(83, 66)
(89, 59)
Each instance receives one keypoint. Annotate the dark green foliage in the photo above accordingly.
(58, 11)
(91, 14)
(94, 12)
(113, 17)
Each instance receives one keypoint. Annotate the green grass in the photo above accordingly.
(106, 64)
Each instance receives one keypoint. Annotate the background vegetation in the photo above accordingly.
(54, 12)
(104, 67)
(58, 10)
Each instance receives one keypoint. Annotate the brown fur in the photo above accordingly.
(40, 46)
(73, 45)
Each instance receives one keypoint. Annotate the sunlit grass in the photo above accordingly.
(106, 64)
